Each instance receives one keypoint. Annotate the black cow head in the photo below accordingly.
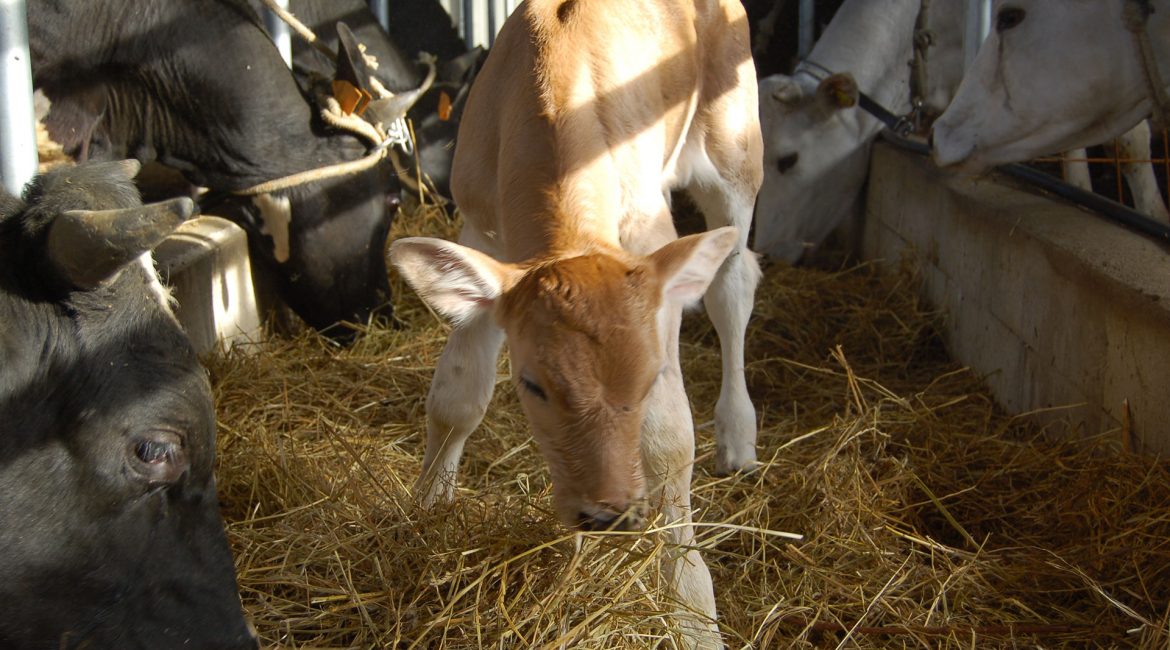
(415, 26)
(109, 522)
(322, 247)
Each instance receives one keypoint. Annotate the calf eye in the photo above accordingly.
(1009, 17)
(784, 163)
(533, 388)
(158, 457)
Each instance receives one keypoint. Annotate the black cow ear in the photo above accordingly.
(462, 68)
(351, 81)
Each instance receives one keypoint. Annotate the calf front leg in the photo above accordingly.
(460, 391)
(668, 455)
(729, 305)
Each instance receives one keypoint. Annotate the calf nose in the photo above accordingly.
(610, 518)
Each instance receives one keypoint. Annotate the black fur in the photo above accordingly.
(95, 555)
(198, 86)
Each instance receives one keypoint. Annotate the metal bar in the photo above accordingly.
(455, 11)
(978, 25)
(496, 14)
(1106, 207)
(468, 16)
(279, 32)
(806, 35)
(18, 136)
(381, 11)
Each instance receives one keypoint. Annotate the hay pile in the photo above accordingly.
(929, 519)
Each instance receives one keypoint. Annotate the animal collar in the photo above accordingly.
(902, 125)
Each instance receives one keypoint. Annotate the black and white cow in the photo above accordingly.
(416, 27)
(198, 86)
(109, 522)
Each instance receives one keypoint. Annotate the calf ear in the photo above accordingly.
(89, 247)
(838, 91)
(687, 265)
(456, 281)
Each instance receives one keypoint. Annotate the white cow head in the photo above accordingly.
(815, 160)
(1053, 75)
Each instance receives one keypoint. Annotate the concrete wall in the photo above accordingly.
(1063, 312)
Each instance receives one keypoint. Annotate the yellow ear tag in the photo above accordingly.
(351, 98)
(444, 106)
(844, 99)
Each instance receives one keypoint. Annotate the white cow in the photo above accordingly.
(1054, 75)
(817, 141)
(585, 112)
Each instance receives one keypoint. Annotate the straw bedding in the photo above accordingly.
(928, 518)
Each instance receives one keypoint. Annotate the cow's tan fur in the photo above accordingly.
(586, 113)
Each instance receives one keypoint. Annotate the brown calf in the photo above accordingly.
(585, 115)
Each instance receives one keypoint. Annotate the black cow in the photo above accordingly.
(416, 26)
(198, 86)
(109, 524)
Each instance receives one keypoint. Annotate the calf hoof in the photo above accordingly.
(730, 461)
(429, 491)
(735, 433)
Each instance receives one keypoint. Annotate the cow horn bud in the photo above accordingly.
(89, 247)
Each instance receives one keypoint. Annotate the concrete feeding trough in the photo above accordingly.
(205, 263)
(1065, 314)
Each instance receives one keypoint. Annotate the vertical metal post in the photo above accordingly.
(18, 135)
(806, 34)
(381, 11)
(496, 14)
(278, 30)
(455, 11)
(467, 14)
(978, 24)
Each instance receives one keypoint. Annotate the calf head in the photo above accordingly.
(814, 162)
(588, 337)
(108, 513)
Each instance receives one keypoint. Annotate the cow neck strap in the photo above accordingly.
(901, 125)
(1137, 18)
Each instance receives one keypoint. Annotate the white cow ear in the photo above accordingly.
(781, 89)
(838, 91)
(458, 282)
(688, 265)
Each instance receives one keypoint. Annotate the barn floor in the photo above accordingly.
(929, 519)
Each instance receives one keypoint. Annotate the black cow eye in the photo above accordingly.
(158, 457)
(1009, 17)
(155, 451)
(784, 163)
(533, 388)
